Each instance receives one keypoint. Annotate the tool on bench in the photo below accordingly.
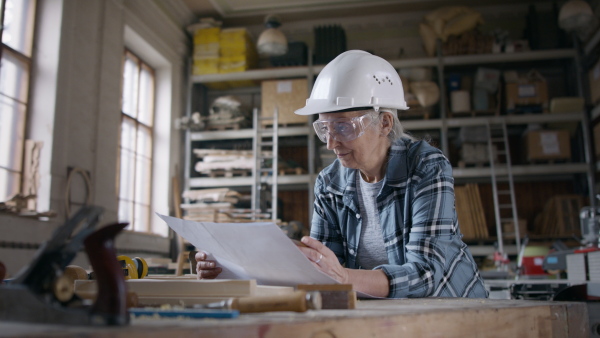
(298, 301)
(135, 268)
(42, 293)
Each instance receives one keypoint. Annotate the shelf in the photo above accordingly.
(478, 59)
(514, 119)
(421, 124)
(458, 60)
(486, 250)
(257, 74)
(523, 170)
(211, 182)
(247, 133)
(456, 122)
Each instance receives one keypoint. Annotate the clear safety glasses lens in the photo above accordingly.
(342, 129)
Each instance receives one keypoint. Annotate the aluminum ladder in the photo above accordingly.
(265, 141)
(505, 206)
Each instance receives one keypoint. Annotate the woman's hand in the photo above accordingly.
(324, 259)
(206, 269)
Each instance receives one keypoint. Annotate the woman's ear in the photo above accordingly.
(386, 123)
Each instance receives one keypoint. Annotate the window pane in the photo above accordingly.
(14, 77)
(126, 181)
(146, 103)
(9, 184)
(142, 180)
(130, 87)
(128, 134)
(142, 218)
(12, 128)
(127, 161)
(144, 144)
(126, 213)
(18, 25)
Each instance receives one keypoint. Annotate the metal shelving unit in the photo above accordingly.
(442, 124)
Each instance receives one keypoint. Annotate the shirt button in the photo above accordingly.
(351, 251)
(357, 215)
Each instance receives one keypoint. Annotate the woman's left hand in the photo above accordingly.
(324, 259)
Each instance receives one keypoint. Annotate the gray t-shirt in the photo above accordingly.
(371, 248)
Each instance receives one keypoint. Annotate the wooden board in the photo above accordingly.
(183, 287)
(426, 317)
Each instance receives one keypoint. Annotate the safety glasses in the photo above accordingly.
(343, 129)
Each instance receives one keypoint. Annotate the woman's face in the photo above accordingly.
(364, 152)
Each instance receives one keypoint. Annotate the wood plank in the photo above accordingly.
(481, 221)
(463, 212)
(181, 287)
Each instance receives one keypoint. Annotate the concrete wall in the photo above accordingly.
(75, 110)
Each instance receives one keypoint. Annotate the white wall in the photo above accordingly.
(75, 109)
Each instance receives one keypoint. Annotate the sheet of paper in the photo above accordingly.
(258, 251)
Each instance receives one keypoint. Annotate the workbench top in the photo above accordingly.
(426, 317)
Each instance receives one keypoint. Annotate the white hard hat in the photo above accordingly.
(355, 79)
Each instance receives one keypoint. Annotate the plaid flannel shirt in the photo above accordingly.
(426, 254)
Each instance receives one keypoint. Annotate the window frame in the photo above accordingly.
(150, 129)
(27, 62)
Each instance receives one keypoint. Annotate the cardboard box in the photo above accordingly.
(288, 96)
(548, 145)
(526, 94)
(594, 78)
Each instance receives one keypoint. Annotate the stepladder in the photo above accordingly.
(503, 189)
(265, 171)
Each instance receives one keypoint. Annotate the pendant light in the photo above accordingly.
(272, 41)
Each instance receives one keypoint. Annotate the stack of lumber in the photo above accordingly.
(212, 195)
(224, 159)
(186, 290)
(209, 205)
(560, 217)
(207, 212)
(469, 208)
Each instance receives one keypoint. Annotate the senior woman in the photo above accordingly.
(384, 217)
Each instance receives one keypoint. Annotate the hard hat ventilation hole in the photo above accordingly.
(380, 81)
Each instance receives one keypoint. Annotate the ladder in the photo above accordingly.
(505, 206)
(265, 142)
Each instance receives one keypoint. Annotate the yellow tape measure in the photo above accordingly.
(135, 268)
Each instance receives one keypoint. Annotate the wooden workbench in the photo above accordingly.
(428, 317)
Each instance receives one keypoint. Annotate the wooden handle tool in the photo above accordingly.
(298, 301)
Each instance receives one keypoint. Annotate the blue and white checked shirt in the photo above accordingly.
(427, 256)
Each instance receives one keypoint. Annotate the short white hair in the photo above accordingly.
(397, 131)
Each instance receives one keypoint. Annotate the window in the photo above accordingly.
(135, 166)
(15, 64)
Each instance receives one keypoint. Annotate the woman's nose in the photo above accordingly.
(331, 142)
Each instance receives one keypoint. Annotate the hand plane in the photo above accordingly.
(42, 293)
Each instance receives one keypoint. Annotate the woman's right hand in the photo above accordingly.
(206, 269)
